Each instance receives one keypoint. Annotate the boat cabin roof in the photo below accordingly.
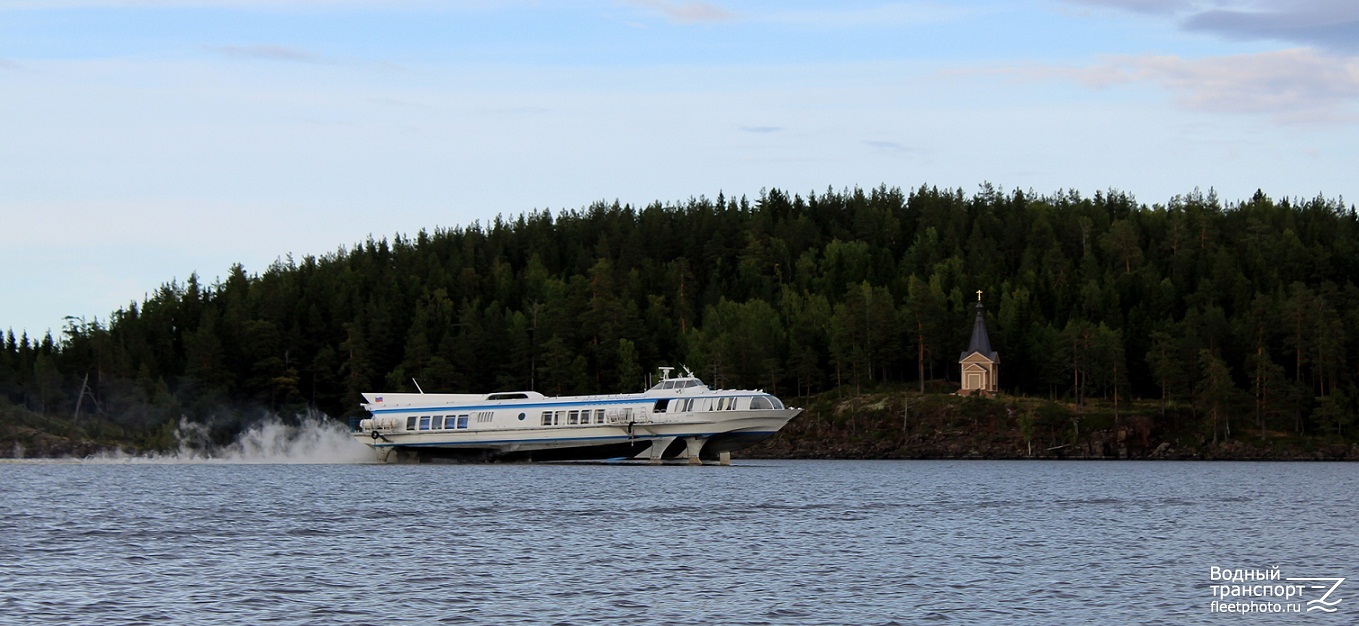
(515, 395)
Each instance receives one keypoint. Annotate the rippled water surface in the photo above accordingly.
(797, 542)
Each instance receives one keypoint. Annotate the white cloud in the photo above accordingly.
(895, 13)
(1139, 6)
(686, 11)
(895, 147)
(1296, 86)
(888, 14)
(269, 53)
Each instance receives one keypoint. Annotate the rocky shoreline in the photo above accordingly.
(880, 426)
(877, 426)
(1094, 449)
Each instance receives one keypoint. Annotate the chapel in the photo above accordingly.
(979, 361)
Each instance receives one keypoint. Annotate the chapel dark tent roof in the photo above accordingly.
(980, 341)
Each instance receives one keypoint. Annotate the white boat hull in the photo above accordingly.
(691, 422)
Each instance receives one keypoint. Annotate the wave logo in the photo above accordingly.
(1322, 603)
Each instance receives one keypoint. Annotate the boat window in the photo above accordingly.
(760, 403)
(558, 418)
(462, 421)
(691, 383)
(661, 406)
(424, 422)
(436, 422)
(547, 418)
(521, 417)
(573, 418)
(507, 396)
(410, 423)
(778, 404)
(599, 416)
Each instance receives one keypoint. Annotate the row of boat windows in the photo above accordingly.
(438, 422)
(448, 422)
(685, 405)
(572, 418)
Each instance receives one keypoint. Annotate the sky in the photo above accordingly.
(142, 141)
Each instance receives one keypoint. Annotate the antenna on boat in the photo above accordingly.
(417, 386)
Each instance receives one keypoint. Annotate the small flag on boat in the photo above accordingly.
(378, 399)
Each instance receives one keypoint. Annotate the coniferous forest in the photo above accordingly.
(1243, 314)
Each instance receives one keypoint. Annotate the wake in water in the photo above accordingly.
(310, 438)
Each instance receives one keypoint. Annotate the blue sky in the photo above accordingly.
(143, 140)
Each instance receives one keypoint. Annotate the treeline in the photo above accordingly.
(1245, 314)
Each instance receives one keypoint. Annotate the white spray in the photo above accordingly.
(309, 439)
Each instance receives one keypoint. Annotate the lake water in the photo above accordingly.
(762, 542)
